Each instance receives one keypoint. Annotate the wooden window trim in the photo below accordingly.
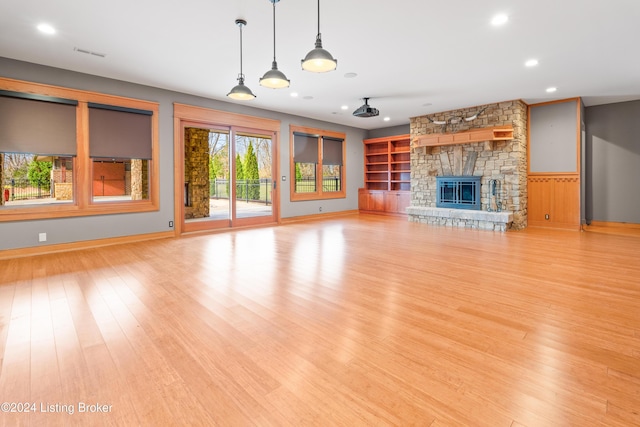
(194, 116)
(83, 205)
(318, 194)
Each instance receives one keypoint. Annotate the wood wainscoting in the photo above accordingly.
(554, 201)
(358, 320)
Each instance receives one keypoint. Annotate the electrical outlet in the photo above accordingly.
(170, 224)
(320, 209)
(42, 237)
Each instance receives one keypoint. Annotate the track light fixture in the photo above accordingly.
(240, 91)
(319, 60)
(274, 78)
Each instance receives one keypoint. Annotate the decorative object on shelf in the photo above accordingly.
(455, 121)
(274, 78)
(240, 91)
(366, 110)
(319, 60)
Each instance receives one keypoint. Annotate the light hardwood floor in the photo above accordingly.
(353, 321)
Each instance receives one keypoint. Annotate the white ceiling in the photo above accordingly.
(411, 57)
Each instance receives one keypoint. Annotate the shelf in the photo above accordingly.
(393, 154)
(498, 133)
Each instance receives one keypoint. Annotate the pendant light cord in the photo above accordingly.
(318, 17)
(241, 75)
(274, 31)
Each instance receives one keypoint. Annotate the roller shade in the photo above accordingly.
(331, 151)
(305, 148)
(37, 124)
(119, 133)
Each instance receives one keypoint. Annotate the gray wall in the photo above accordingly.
(613, 162)
(390, 131)
(583, 166)
(21, 234)
(552, 141)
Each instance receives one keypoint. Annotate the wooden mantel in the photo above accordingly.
(489, 134)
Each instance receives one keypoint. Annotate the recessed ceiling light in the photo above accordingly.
(386, 119)
(551, 89)
(500, 19)
(350, 75)
(294, 94)
(46, 29)
(344, 107)
(428, 104)
(531, 63)
(307, 97)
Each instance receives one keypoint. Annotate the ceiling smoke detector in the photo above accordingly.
(366, 110)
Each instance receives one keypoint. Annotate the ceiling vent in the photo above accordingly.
(89, 52)
(366, 110)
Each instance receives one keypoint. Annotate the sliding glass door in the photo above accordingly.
(254, 177)
(228, 177)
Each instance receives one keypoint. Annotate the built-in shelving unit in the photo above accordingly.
(387, 174)
(387, 163)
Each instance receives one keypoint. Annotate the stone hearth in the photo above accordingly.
(504, 162)
(463, 218)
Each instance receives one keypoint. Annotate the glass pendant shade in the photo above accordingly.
(319, 60)
(240, 92)
(274, 78)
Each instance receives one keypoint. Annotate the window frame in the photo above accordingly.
(83, 203)
(319, 194)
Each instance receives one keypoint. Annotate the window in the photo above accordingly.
(317, 164)
(75, 153)
(37, 149)
(120, 149)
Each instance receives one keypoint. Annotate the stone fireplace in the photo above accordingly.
(500, 165)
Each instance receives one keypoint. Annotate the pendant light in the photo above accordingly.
(240, 91)
(319, 60)
(274, 78)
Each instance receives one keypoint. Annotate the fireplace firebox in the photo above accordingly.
(458, 192)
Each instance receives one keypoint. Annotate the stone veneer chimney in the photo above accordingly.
(505, 162)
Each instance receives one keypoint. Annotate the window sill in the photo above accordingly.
(19, 213)
(315, 196)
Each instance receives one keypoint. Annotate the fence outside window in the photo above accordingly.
(23, 189)
(250, 190)
(308, 185)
